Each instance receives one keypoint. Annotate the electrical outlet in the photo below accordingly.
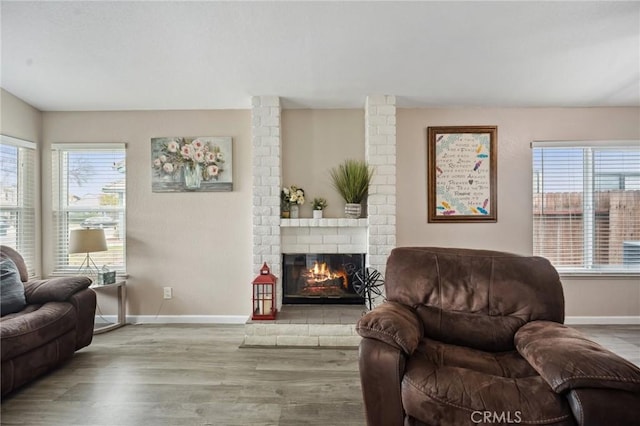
(167, 292)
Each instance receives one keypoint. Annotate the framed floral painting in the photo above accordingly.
(191, 164)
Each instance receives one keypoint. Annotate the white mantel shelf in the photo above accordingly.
(324, 223)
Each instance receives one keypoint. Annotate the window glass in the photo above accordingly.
(90, 193)
(18, 198)
(586, 207)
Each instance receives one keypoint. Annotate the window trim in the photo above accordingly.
(21, 143)
(614, 143)
(59, 205)
(588, 174)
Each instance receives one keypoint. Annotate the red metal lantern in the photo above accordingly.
(264, 295)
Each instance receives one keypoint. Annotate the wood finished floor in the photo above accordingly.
(198, 375)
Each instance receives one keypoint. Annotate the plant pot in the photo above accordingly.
(295, 209)
(317, 214)
(353, 210)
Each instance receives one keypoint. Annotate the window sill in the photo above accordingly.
(599, 275)
(119, 275)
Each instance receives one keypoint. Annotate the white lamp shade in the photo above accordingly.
(87, 241)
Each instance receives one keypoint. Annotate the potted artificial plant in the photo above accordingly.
(319, 204)
(351, 179)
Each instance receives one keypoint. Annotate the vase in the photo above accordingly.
(285, 212)
(317, 214)
(294, 211)
(192, 176)
(353, 210)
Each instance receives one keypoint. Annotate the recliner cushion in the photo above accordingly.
(12, 298)
(461, 328)
(446, 384)
(33, 328)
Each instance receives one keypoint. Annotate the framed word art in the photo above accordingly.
(462, 172)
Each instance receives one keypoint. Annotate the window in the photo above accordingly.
(18, 198)
(89, 191)
(586, 205)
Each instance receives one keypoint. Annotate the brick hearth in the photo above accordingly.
(307, 325)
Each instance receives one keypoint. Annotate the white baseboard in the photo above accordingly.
(621, 320)
(179, 319)
(241, 319)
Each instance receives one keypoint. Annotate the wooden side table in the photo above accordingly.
(122, 305)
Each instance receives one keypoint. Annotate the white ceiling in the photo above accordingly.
(125, 55)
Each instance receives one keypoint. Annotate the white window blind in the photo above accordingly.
(89, 191)
(18, 198)
(586, 205)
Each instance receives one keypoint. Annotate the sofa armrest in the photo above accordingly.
(84, 302)
(54, 289)
(567, 360)
(610, 407)
(394, 324)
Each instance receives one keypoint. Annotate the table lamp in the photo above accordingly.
(87, 241)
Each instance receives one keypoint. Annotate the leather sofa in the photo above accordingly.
(57, 321)
(472, 337)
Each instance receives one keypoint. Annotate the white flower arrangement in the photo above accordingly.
(182, 152)
(292, 195)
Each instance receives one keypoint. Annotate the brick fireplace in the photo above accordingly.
(374, 236)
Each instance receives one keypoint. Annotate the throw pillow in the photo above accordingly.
(11, 288)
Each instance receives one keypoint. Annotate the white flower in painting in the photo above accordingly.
(157, 162)
(213, 170)
(197, 144)
(163, 158)
(211, 157)
(173, 146)
(168, 167)
(219, 155)
(186, 151)
(198, 156)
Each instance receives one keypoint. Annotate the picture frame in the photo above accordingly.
(192, 164)
(462, 174)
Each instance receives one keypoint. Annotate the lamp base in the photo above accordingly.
(86, 267)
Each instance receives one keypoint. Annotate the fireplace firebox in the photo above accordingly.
(321, 278)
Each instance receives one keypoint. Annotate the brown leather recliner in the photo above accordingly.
(57, 321)
(476, 337)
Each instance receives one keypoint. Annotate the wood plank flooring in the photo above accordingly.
(198, 375)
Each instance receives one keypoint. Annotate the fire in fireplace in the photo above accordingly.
(321, 278)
